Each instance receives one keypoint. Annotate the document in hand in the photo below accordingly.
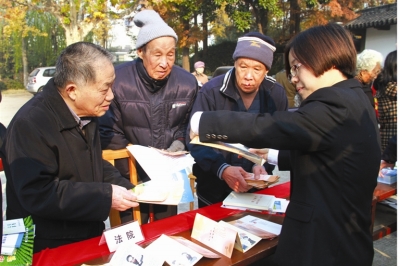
(255, 202)
(171, 191)
(159, 166)
(231, 147)
(263, 182)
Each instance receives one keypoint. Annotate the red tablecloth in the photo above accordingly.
(80, 252)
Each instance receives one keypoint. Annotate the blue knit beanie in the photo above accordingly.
(257, 46)
(152, 26)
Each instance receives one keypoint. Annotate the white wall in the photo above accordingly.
(383, 41)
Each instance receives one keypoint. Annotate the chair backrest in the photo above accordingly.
(111, 156)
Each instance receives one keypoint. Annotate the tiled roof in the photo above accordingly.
(375, 17)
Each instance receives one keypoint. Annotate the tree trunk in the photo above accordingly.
(264, 21)
(294, 27)
(185, 50)
(76, 33)
(205, 37)
(185, 59)
(24, 62)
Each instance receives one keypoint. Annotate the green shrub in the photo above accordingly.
(3, 86)
(12, 84)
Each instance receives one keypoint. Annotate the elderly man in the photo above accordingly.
(153, 100)
(245, 88)
(53, 159)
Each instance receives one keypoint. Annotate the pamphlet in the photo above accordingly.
(232, 147)
(13, 226)
(245, 240)
(12, 240)
(257, 226)
(255, 202)
(128, 254)
(214, 235)
(172, 191)
(173, 252)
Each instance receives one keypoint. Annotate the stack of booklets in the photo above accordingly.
(255, 202)
(17, 242)
(263, 182)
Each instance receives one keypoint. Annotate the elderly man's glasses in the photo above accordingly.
(293, 71)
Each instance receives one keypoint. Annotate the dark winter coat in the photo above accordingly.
(55, 173)
(220, 93)
(144, 116)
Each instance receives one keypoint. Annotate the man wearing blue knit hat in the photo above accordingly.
(152, 100)
(245, 88)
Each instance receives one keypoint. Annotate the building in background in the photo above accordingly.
(376, 28)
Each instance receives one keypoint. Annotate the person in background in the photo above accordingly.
(330, 145)
(386, 86)
(369, 65)
(245, 88)
(153, 100)
(53, 159)
(199, 73)
(389, 155)
(281, 78)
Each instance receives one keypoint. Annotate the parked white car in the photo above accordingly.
(38, 78)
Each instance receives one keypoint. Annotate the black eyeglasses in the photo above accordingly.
(293, 71)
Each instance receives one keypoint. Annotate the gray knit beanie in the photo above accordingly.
(152, 26)
(256, 46)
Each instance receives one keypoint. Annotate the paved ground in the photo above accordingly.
(385, 248)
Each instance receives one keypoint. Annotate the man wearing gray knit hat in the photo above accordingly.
(244, 88)
(152, 101)
(151, 26)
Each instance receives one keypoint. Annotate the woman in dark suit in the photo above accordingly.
(330, 144)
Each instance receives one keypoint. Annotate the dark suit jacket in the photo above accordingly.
(334, 160)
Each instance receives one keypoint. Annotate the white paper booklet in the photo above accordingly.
(214, 235)
(245, 240)
(173, 252)
(255, 202)
(129, 254)
(252, 221)
(13, 226)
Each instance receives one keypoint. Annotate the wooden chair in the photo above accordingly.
(111, 156)
(192, 180)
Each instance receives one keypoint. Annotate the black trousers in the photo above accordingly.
(159, 211)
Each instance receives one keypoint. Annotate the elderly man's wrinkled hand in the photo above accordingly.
(122, 198)
(234, 178)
